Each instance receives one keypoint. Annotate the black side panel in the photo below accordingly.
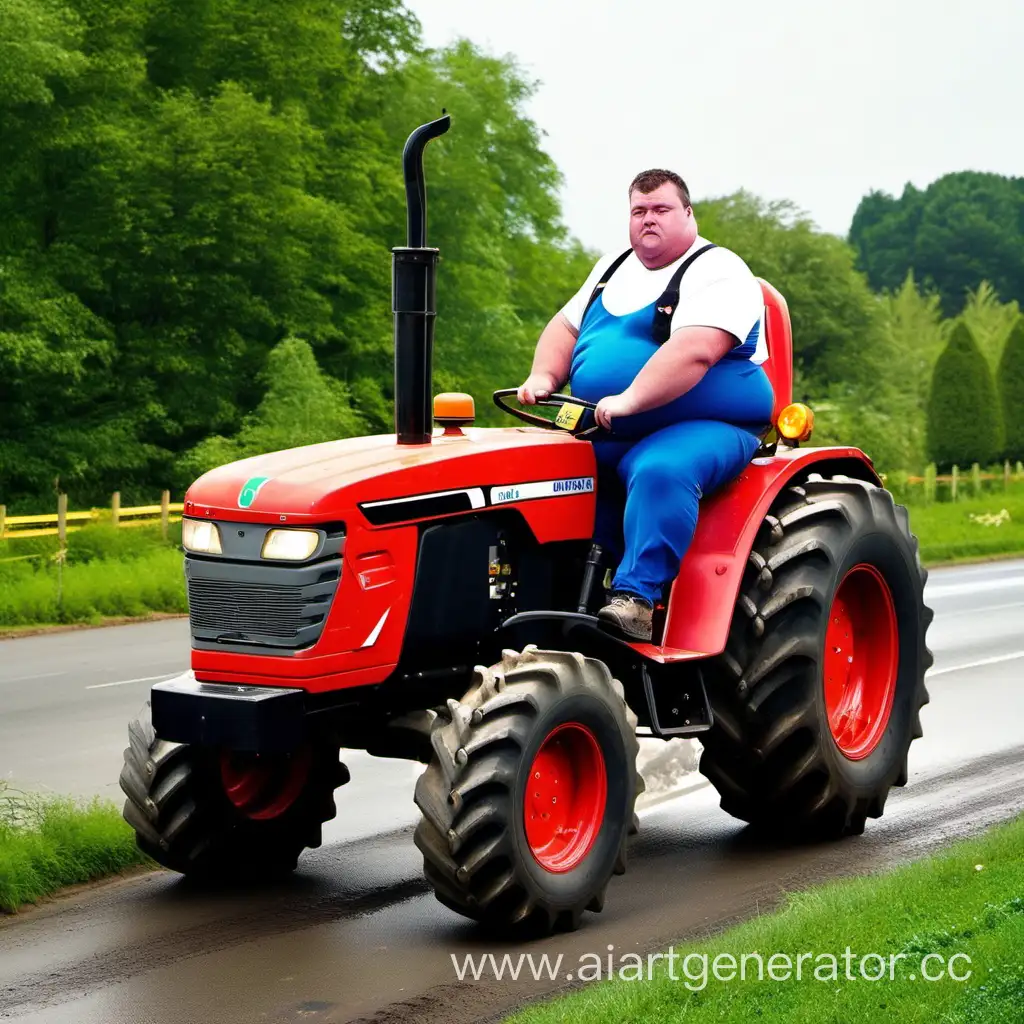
(452, 609)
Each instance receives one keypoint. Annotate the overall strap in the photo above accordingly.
(661, 327)
(599, 287)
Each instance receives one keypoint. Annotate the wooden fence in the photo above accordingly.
(62, 522)
(959, 482)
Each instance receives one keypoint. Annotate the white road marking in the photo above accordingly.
(127, 682)
(1014, 656)
(980, 587)
(990, 608)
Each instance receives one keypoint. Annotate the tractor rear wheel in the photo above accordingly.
(817, 696)
(529, 799)
(224, 814)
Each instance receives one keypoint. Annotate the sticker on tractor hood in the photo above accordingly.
(542, 489)
(251, 487)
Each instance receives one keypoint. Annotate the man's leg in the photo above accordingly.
(611, 496)
(665, 475)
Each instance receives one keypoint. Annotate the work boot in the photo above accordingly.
(629, 615)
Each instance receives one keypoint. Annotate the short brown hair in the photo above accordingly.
(648, 181)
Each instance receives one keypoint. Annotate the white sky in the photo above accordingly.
(808, 100)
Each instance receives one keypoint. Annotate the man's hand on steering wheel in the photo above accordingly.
(614, 406)
(536, 387)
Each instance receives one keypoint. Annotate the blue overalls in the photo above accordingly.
(654, 471)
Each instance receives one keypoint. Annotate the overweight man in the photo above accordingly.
(666, 339)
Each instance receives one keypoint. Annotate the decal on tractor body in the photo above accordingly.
(251, 487)
(568, 416)
(542, 489)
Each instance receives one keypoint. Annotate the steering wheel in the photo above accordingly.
(568, 413)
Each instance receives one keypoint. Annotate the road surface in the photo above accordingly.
(356, 936)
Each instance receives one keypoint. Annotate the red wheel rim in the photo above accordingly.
(565, 800)
(264, 786)
(861, 661)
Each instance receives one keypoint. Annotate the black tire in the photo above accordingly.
(473, 833)
(183, 819)
(771, 754)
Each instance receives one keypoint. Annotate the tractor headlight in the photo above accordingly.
(290, 545)
(201, 537)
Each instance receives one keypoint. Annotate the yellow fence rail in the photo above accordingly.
(62, 522)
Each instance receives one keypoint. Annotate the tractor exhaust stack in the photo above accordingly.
(414, 274)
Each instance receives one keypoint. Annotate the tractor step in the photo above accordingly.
(677, 702)
(231, 717)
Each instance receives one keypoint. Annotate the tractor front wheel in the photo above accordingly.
(528, 801)
(818, 694)
(226, 814)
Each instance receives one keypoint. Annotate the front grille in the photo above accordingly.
(246, 607)
(269, 606)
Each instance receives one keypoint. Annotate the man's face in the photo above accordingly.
(661, 228)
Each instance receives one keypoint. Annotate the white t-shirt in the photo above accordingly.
(718, 290)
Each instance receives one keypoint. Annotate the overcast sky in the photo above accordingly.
(808, 100)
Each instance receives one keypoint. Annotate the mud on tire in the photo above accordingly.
(183, 819)
(473, 834)
(771, 754)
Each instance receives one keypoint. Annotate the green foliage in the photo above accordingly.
(961, 230)
(185, 185)
(301, 406)
(834, 314)
(990, 321)
(49, 843)
(1011, 391)
(31, 592)
(964, 423)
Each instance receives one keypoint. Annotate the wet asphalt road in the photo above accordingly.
(355, 934)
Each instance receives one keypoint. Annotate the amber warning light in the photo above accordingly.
(796, 422)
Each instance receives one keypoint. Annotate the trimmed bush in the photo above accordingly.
(964, 422)
(1011, 391)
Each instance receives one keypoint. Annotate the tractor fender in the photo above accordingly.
(703, 597)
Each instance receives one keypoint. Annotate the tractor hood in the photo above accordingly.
(323, 482)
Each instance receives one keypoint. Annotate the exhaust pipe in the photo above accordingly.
(413, 297)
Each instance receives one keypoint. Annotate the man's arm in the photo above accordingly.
(674, 369)
(551, 361)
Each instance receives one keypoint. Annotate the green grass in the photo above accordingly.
(948, 533)
(36, 592)
(49, 843)
(942, 905)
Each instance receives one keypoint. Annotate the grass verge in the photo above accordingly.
(945, 905)
(987, 527)
(49, 843)
(34, 592)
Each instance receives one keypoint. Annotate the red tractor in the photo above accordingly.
(430, 595)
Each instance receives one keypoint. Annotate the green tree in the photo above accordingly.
(301, 405)
(183, 185)
(835, 316)
(507, 261)
(963, 412)
(963, 229)
(990, 321)
(1011, 391)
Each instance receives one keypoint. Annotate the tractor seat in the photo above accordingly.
(778, 336)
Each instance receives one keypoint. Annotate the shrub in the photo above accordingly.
(964, 423)
(1011, 391)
